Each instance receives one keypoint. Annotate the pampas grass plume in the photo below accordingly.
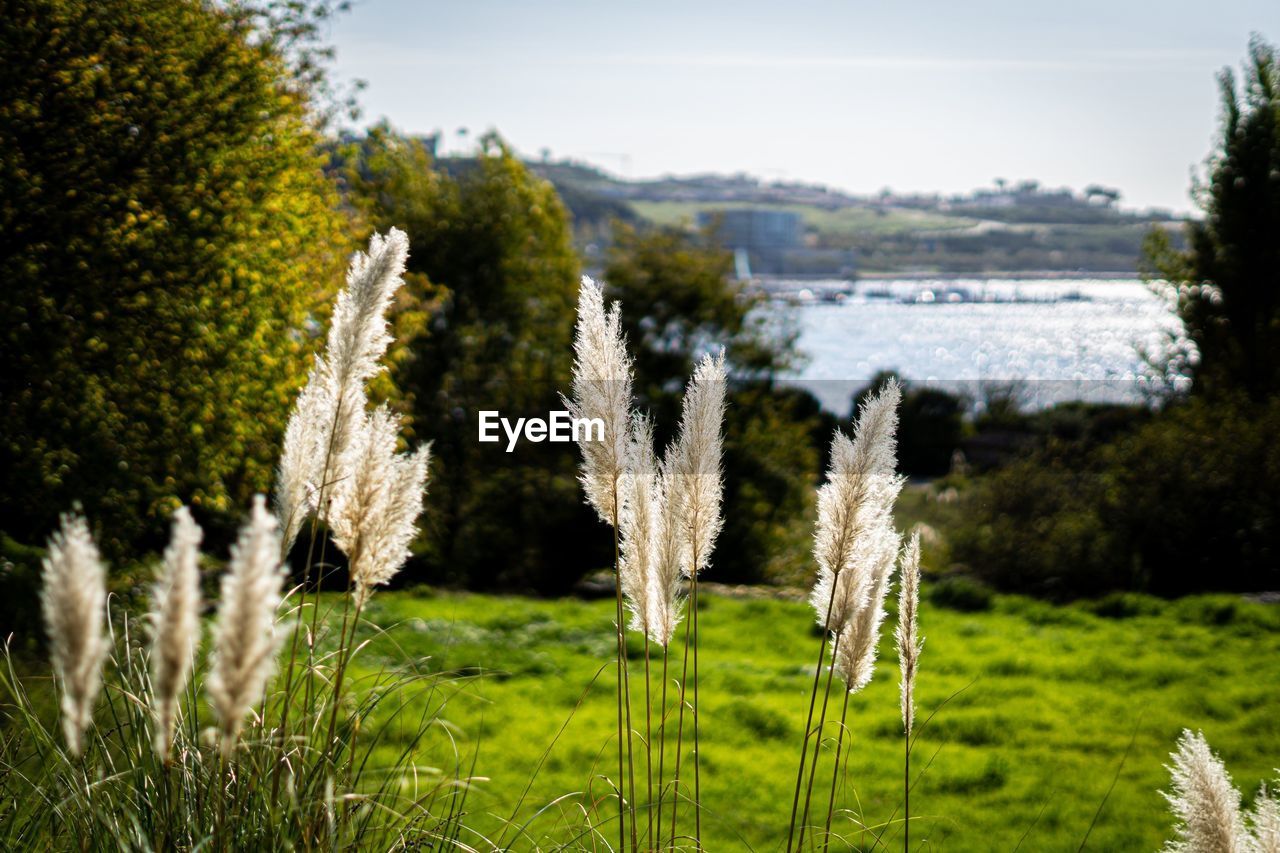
(695, 476)
(855, 509)
(856, 657)
(1264, 823)
(375, 508)
(909, 642)
(601, 389)
(74, 599)
(175, 626)
(670, 547)
(1204, 800)
(330, 409)
(638, 526)
(245, 637)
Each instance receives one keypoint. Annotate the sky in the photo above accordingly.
(861, 96)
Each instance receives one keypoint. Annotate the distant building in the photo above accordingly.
(755, 229)
(764, 236)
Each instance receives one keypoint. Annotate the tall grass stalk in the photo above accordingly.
(602, 377)
(694, 487)
(326, 418)
(851, 537)
(909, 645)
(74, 602)
(638, 528)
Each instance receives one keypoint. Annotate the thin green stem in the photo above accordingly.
(835, 774)
(675, 778)
(648, 740)
(808, 723)
(623, 734)
(662, 741)
(906, 792)
(697, 753)
(822, 719)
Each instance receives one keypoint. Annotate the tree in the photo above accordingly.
(165, 233)
(494, 243)
(1226, 285)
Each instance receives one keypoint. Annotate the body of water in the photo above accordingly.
(1047, 341)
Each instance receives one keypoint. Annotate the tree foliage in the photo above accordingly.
(1226, 285)
(165, 230)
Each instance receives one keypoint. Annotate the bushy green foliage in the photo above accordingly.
(491, 246)
(1182, 502)
(166, 230)
(1196, 493)
(1226, 285)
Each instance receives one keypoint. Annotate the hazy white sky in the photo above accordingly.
(860, 95)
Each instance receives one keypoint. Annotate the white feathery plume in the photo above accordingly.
(638, 527)
(375, 508)
(601, 390)
(695, 481)
(175, 626)
(1204, 800)
(907, 635)
(245, 637)
(855, 506)
(856, 656)
(331, 407)
(1264, 823)
(74, 598)
(669, 550)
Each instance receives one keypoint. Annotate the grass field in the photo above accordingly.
(1043, 704)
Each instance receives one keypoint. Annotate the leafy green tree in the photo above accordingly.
(1226, 285)
(492, 246)
(165, 232)
(679, 300)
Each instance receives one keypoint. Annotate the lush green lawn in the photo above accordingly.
(1043, 702)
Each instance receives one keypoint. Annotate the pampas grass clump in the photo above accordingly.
(272, 767)
(665, 517)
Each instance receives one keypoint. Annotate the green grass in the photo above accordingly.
(1043, 703)
(864, 221)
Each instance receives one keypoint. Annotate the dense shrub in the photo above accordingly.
(1197, 495)
(1186, 502)
(958, 592)
(164, 231)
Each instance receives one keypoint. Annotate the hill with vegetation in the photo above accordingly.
(1006, 229)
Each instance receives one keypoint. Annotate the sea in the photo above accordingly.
(1038, 341)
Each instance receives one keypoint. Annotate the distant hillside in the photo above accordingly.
(1021, 228)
